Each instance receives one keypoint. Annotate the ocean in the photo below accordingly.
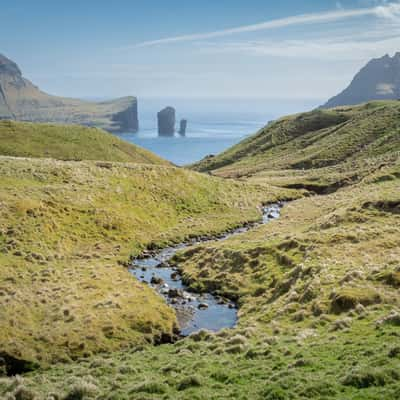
(213, 124)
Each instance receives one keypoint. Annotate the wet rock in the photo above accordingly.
(202, 306)
(175, 276)
(189, 298)
(221, 300)
(175, 293)
(162, 264)
(156, 280)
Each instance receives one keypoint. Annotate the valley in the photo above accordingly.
(316, 290)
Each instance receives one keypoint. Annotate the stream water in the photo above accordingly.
(194, 311)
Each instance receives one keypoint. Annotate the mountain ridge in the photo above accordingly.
(379, 79)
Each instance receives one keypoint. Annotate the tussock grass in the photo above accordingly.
(68, 228)
(319, 151)
(317, 293)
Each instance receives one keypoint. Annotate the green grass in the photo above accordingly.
(320, 150)
(342, 238)
(324, 325)
(66, 229)
(68, 142)
(317, 289)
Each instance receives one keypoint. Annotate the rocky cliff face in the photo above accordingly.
(166, 122)
(378, 80)
(127, 119)
(183, 127)
(22, 101)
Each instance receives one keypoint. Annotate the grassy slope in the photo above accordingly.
(317, 289)
(64, 226)
(68, 142)
(316, 150)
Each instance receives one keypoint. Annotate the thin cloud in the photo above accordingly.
(358, 45)
(388, 11)
(351, 50)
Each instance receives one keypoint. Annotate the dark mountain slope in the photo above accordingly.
(378, 80)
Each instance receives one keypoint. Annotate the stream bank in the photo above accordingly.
(194, 311)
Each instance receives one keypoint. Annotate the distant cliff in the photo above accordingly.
(378, 80)
(22, 101)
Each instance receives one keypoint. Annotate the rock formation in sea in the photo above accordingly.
(182, 127)
(378, 80)
(20, 100)
(166, 122)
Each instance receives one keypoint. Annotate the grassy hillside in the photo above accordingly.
(317, 289)
(68, 142)
(319, 312)
(65, 228)
(321, 148)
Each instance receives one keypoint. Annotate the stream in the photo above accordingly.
(194, 311)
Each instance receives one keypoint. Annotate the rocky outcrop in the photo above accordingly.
(378, 80)
(166, 122)
(183, 127)
(127, 119)
(20, 100)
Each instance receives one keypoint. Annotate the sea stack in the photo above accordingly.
(166, 122)
(182, 127)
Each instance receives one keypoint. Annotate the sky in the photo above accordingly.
(286, 49)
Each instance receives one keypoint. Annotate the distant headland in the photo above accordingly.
(20, 100)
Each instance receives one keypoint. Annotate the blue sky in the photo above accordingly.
(227, 48)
